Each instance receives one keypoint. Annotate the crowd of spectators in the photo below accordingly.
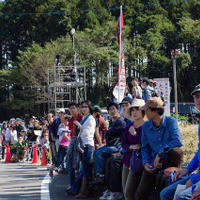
(76, 144)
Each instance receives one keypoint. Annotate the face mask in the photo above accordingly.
(142, 86)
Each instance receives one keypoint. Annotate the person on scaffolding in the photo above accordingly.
(69, 74)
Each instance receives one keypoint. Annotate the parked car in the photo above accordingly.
(188, 110)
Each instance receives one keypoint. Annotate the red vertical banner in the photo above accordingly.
(118, 91)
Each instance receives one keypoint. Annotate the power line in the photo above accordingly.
(93, 10)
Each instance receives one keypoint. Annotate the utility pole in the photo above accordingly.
(173, 55)
(72, 32)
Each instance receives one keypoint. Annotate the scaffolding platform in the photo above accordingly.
(65, 85)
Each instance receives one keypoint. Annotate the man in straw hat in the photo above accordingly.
(161, 142)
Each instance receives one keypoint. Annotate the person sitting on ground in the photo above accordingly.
(18, 150)
(113, 138)
(168, 193)
(161, 142)
(131, 140)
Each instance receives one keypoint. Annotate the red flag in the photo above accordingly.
(118, 91)
(118, 27)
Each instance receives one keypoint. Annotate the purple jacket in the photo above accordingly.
(127, 140)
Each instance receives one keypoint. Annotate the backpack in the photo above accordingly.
(155, 93)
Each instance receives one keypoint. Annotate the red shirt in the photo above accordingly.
(73, 127)
(102, 127)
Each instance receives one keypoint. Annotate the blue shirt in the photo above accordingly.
(156, 139)
(54, 127)
(195, 163)
(147, 93)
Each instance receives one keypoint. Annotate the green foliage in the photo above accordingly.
(29, 44)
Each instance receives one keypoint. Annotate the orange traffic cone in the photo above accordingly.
(44, 158)
(35, 155)
(8, 156)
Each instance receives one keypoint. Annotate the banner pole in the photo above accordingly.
(120, 38)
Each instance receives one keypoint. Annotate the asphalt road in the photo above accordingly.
(26, 181)
(21, 181)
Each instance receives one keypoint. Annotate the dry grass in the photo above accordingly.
(190, 139)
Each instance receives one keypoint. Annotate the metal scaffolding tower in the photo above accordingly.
(63, 88)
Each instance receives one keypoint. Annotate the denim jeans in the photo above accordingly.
(99, 157)
(71, 176)
(62, 151)
(168, 192)
(86, 159)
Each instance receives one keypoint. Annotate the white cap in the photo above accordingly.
(61, 110)
(12, 119)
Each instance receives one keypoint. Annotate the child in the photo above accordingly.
(18, 150)
(46, 145)
(63, 145)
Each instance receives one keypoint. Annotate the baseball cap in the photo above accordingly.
(155, 82)
(12, 119)
(150, 81)
(196, 89)
(153, 102)
(126, 100)
(61, 110)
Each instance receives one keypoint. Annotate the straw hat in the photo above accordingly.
(137, 103)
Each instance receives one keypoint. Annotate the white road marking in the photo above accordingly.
(45, 195)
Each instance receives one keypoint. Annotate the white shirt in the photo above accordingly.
(7, 135)
(60, 132)
(13, 135)
(87, 134)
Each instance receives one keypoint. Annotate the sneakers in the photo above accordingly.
(115, 196)
(106, 194)
(68, 189)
